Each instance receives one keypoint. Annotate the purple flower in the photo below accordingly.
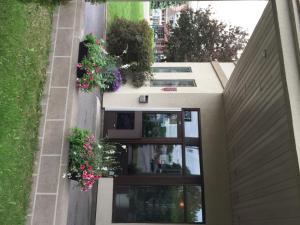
(117, 80)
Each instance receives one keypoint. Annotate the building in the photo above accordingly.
(160, 19)
(204, 145)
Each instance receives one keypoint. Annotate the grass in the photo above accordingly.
(25, 40)
(133, 11)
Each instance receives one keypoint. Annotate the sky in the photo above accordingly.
(238, 13)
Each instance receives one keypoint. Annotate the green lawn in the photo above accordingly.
(25, 40)
(128, 10)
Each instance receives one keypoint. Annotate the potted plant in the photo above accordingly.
(90, 159)
(96, 68)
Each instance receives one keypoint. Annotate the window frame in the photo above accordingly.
(157, 68)
(166, 179)
(173, 80)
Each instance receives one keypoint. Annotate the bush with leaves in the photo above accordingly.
(157, 4)
(132, 42)
(199, 37)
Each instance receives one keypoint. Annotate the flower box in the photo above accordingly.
(90, 159)
(96, 68)
(83, 51)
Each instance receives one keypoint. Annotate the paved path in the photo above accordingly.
(96, 17)
(55, 200)
(82, 205)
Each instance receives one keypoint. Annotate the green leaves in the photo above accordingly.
(200, 38)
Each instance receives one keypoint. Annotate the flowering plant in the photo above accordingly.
(89, 159)
(98, 68)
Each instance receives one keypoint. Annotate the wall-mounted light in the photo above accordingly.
(265, 53)
(143, 99)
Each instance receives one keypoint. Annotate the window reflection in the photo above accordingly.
(192, 160)
(194, 204)
(191, 124)
(149, 204)
(160, 124)
(154, 159)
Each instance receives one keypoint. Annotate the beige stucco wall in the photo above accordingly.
(216, 184)
(203, 74)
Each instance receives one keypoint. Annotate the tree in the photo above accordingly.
(200, 38)
(132, 43)
(156, 4)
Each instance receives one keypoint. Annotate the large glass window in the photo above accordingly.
(191, 124)
(186, 69)
(194, 204)
(160, 125)
(161, 176)
(192, 160)
(173, 83)
(162, 203)
(154, 159)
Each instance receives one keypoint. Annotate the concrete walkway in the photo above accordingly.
(82, 205)
(50, 192)
(55, 200)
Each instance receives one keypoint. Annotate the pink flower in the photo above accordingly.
(79, 65)
(97, 177)
(97, 69)
(90, 138)
(87, 146)
(85, 175)
(97, 42)
(90, 152)
(83, 189)
(88, 72)
(89, 168)
(82, 167)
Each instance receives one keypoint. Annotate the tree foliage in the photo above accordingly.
(200, 38)
(132, 42)
(157, 4)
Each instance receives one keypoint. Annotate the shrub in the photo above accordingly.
(132, 42)
(90, 160)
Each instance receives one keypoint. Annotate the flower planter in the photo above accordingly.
(74, 176)
(83, 51)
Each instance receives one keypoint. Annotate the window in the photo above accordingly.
(160, 125)
(154, 159)
(149, 204)
(192, 161)
(173, 83)
(191, 124)
(171, 69)
(125, 120)
(161, 177)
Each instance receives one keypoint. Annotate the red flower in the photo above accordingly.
(89, 168)
(82, 166)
